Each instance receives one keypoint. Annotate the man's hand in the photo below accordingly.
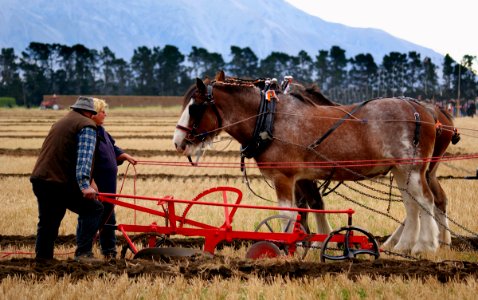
(89, 193)
(94, 186)
(125, 156)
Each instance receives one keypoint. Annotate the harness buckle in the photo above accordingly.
(271, 94)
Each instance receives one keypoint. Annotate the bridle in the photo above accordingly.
(196, 112)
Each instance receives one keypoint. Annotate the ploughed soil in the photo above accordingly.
(208, 267)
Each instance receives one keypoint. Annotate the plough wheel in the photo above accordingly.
(346, 248)
(263, 249)
(276, 224)
(146, 241)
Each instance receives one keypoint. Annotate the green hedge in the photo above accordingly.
(7, 102)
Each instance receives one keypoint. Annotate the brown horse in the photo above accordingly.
(308, 194)
(387, 131)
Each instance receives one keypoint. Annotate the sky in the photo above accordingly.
(446, 26)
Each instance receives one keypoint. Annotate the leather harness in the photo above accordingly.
(262, 136)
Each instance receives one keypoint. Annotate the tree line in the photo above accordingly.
(44, 68)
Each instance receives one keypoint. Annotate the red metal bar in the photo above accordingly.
(263, 207)
(227, 217)
(128, 240)
(154, 212)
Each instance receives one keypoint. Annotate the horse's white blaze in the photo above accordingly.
(180, 135)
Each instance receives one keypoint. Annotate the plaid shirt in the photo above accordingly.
(86, 150)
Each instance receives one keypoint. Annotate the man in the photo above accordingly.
(61, 181)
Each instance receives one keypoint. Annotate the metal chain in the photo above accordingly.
(389, 207)
(379, 191)
(399, 254)
(371, 196)
(368, 208)
(458, 225)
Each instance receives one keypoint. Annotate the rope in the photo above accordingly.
(315, 164)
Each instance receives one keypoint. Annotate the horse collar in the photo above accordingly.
(262, 136)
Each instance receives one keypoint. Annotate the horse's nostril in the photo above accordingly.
(180, 147)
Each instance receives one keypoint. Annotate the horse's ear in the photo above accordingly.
(200, 85)
(220, 76)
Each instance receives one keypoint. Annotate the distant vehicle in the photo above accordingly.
(50, 104)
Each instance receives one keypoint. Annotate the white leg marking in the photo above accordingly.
(290, 214)
(323, 225)
(420, 233)
(411, 227)
(444, 236)
(394, 238)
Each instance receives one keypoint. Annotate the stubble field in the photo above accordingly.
(146, 133)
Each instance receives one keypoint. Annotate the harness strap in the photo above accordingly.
(246, 180)
(337, 124)
(418, 124)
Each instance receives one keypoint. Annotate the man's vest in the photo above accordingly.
(57, 159)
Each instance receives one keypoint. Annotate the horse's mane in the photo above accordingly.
(259, 82)
(242, 86)
(310, 95)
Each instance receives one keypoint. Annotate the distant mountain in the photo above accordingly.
(263, 25)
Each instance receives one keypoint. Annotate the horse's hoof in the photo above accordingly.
(445, 245)
(386, 246)
(403, 248)
(424, 248)
(389, 244)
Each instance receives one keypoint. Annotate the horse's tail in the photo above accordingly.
(455, 138)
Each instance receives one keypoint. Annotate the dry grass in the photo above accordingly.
(337, 287)
(20, 217)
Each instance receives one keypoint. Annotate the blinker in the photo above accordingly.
(197, 110)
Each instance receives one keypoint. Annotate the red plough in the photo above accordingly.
(292, 239)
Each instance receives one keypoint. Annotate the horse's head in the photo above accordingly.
(200, 121)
